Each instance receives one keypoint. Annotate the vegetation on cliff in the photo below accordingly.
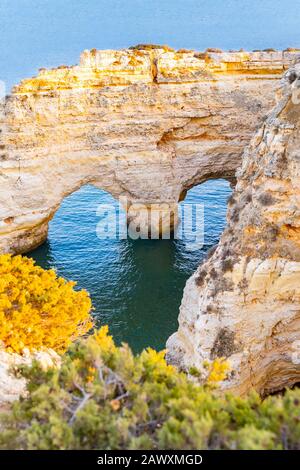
(104, 397)
(39, 309)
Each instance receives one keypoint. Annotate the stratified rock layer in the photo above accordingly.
(146, 124)
(243, 303)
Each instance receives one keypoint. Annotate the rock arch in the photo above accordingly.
(146, 124)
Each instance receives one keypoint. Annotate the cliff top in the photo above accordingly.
(158, 64)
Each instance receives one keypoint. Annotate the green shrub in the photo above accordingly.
(103, 397)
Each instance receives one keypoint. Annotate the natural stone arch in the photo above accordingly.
(143, 124)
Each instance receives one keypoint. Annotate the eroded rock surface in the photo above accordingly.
(11, 387)
(146, 124)
(243, 303)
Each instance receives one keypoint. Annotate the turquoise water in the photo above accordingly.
(136, 286)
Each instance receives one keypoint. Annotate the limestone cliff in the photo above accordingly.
(145, 123)
(243, 303)
(12, 386)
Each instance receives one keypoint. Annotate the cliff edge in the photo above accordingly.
(243, 303)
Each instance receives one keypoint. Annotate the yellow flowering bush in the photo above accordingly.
(39, 309)
(104, 397)
(104, 340)
(218, 371)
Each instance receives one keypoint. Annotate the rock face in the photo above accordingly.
(12, 387)
(146, 124)
(243, 303)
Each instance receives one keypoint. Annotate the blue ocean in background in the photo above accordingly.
(136, 285)
(40, 33)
